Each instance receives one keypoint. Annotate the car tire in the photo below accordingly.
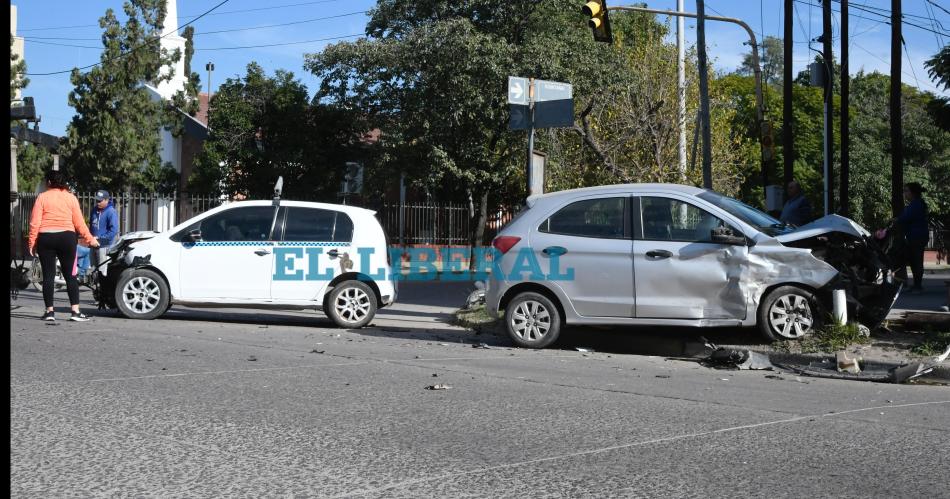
(789, 313)
(351, 304)
(532, 320)
(141, 294)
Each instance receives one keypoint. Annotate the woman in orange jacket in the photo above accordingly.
(54, 224)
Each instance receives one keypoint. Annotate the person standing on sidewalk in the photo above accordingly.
(913, 222)
(797, 210)
(103, 224)
(55, 227)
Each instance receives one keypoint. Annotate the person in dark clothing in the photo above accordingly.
(56, 224)
(913, 222)
(797, 210)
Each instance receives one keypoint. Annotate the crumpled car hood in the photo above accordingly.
(125, 240)
(824, 225)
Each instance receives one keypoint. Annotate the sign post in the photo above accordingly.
(538, 104)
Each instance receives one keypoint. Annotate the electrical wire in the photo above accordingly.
(133, 49)
(280, 44)
(879, 20)
(270, 7)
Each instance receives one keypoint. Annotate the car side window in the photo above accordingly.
(602, 218)
(313, 224)
(666, 219)
(249, 223)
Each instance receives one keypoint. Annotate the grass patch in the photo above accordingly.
(934, 343)
(475, 318)
(834, 337)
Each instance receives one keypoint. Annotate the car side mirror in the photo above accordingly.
(725, 235)
(194, 236)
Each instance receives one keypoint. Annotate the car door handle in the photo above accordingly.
(554, 250)
(333, 253)
(261, 252)
(659, 254)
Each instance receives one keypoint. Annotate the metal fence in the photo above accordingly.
(441, 224)
(136, 212)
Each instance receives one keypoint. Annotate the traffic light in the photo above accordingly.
(599, 22)
(768, 142)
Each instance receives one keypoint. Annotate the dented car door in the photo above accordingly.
(680, 273)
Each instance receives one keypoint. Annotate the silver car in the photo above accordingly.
(665, 254)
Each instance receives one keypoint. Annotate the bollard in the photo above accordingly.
(840, 306)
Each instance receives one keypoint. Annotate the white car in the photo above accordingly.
(256, 254)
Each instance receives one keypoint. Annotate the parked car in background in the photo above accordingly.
(256, 254)
(664, 254)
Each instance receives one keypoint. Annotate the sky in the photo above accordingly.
(61, 34)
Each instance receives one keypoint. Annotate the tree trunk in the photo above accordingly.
(482, 219)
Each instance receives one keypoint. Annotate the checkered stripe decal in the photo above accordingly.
(267, 243)
(309, 243)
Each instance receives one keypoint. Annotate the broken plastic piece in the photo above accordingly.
(439, 386)
(739, 359)
(909, 372)
(847, 364)
(579, 349)
(481, 345)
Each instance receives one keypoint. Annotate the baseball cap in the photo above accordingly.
(100, 195)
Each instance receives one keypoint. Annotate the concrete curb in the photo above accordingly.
(941, 372)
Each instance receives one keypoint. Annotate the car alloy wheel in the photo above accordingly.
(790, 316)
(141, 295)
(352, 305)
(530, 321)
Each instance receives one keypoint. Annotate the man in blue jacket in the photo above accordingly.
(104, 226)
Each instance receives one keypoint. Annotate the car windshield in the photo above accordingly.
(746, 213)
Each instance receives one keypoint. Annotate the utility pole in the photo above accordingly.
(681, 86)
(788, 154)
(829, 102)
(843, 198)
(210, 67)
(704, 93)
(527, 171)
(897, 147)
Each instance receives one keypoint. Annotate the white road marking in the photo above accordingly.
(629, 445)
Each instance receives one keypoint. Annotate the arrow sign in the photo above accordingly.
(517, 90)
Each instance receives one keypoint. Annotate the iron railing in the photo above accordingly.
(136, 211)
(438, 224)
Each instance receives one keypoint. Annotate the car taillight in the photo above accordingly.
(504, 243)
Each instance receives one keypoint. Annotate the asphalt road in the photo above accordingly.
(214, 403)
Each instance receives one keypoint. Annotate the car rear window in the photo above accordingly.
(314, 224)
(601, 218)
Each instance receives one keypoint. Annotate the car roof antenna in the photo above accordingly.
(278, 187)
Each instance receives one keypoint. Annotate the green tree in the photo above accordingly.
(771, 61)
(32, 163)
(938, 67)
(432, 74)
(113, 140)
(263, 127)
(17, 71)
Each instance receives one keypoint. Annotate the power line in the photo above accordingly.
(132, 49)
(281, 44)
(281, 24)
(931, 2)
(229, 30)
(908, 23)
(270, 7)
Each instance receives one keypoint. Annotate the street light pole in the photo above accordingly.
(704, 94)
(681, 86)
(760, 113)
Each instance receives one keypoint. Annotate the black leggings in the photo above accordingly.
(52, 246)
(915, 257)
